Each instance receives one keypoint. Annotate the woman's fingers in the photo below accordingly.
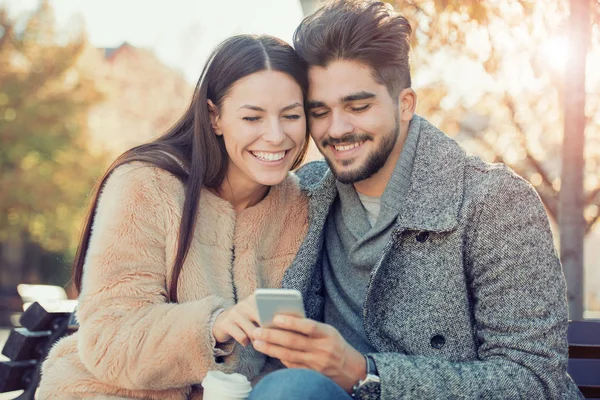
(238, 322)
(247, 326)
(239, 335)
(248, 308)
(240, 326)
(219, 329)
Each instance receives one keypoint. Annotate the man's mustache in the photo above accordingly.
(346, 139)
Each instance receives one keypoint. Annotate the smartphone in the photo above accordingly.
(271, 302)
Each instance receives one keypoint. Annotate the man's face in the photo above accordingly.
(353, 120)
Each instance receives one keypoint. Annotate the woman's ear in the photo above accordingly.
(213, 111)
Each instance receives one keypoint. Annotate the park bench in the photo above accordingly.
(584, 356)
(28, 346)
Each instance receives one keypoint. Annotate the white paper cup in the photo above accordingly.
(221, 386)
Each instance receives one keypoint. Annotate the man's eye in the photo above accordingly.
(318, 114)
(292, 116)
(251, 119)
(361, 108)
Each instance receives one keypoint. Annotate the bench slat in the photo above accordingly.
(584, 333)
(22, 344)
(586, 373)
(577, 351)
(16, 375)
(36, 318)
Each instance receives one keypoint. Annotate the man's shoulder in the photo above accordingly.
(485, 180)
(311, 173)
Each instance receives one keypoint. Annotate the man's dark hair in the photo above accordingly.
(358, 30)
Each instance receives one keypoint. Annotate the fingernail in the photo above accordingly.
(258, 343)
(280, 320)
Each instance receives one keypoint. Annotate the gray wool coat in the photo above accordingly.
(468, 299)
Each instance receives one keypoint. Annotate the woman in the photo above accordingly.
(184, 229)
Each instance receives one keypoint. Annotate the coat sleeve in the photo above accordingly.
(520, 313)
(130, 336)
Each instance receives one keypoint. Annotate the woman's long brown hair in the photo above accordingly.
(190, 150)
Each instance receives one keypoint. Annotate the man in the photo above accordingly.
(434, 273)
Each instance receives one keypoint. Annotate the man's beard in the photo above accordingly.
(375, 161)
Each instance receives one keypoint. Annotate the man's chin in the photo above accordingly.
(347, 175)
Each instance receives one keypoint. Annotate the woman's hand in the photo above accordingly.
(237, 322)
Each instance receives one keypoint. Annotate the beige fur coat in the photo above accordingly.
(133, 343)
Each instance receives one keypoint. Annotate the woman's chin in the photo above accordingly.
(271, 179)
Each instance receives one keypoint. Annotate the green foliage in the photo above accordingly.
(46, 168)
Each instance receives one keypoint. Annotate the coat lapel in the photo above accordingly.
(436, 190)
(305, 272)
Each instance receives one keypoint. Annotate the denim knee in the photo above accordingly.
(297, 384)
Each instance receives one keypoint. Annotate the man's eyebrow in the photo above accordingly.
(291, 106)
(346, 99)
(357, 96)
(250, 107)
(314, 104)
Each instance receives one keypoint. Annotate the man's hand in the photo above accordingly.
(304, 343)
(237, 322)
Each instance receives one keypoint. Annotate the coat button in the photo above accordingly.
(422, 236)
(438, 341)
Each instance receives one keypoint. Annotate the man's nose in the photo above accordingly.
(340, 125)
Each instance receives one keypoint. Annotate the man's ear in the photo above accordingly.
(213, 111)
(407, 104)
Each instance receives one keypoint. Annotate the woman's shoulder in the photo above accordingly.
(138, 175)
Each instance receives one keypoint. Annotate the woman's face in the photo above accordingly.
(263, 125)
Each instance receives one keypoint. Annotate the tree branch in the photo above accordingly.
(592, 222)
(591, 197)
(537, 166)
(7, 26)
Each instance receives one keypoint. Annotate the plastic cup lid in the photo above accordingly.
(230, 383)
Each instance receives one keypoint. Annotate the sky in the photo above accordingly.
(180, 32)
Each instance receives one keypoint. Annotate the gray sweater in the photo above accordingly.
(353, 247)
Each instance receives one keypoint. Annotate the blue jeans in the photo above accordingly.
(297, 384)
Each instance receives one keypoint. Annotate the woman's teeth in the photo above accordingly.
(264, 156)
(347, 147)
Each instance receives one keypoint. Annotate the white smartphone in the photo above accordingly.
(271, 302)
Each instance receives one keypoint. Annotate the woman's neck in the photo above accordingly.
(241, 194)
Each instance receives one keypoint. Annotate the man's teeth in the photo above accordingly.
(261, 155)
(347, 147)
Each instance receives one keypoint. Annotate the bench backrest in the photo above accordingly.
(28, 346)
(584, 356)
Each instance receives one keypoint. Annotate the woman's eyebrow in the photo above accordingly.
(291, 106)
(251, 107)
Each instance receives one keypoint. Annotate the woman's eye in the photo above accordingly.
(292, 116)
(251, 119)
(361, 108)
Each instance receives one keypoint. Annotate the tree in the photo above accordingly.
(504, 101)
(571, 202)
(46, 168)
